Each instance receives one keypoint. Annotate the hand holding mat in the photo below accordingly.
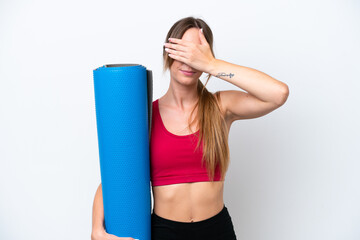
(123, 105)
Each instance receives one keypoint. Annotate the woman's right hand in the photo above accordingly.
(103, 235)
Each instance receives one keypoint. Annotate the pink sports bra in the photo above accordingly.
(172, 157)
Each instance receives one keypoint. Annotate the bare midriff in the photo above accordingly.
(188, 202)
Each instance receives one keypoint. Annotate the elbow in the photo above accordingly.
(283, 95)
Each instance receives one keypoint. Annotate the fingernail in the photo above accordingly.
(201, 30)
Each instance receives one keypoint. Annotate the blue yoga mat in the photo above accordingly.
(123, 105)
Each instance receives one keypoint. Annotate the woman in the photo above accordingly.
(189, 152)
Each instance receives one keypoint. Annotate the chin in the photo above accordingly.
(187, 80)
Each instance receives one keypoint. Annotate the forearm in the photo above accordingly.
(98, 211)
(255, 82)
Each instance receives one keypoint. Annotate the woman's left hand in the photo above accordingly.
(197, 56)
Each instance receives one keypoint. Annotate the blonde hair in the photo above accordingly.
(213, 132)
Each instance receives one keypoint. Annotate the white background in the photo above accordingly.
(294, 173)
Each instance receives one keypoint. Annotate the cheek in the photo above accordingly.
(175, 65)
(198, 75)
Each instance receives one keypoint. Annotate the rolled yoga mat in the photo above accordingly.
(123, 105)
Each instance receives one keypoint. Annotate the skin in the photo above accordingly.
(185, 202)
(197, 201)
(191, 202)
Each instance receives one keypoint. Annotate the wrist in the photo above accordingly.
(213, 66)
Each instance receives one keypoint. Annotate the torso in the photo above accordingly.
(186, 202)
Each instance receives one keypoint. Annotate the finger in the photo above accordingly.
(179, 58)
(174, 52)
(202, 37)
(179, 41)
(176, 47)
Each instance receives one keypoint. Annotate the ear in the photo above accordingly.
(202, 37)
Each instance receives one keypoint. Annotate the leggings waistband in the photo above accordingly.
(221, 215)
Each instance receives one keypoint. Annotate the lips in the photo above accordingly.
(186, 73)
